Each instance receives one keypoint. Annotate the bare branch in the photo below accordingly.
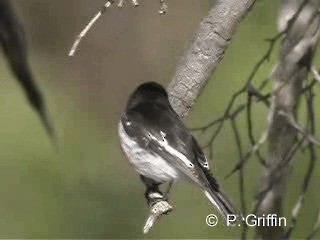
(251, 151)
(307, 179)
(86, 29)
(251, 92)
(241, 176)
(300, 129)
(205, 53)
(83, 33)
(300, 26)
(315, 73)
(164, 7)
(135, 3)
(315, 229)
(250, 123)
(275, 176)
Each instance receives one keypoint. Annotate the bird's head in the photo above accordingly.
(149, 91)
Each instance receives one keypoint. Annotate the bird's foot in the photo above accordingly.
(154, 196)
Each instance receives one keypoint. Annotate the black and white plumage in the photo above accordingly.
(161, 148)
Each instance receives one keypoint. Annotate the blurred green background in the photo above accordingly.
(87, 189)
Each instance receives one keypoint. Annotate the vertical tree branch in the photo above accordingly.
(295, 58)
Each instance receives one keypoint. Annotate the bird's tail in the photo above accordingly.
(221, 202)
(219, 199)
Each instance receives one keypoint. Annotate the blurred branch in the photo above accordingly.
(316, 227)
(301, 36)
(250, 152)
(315, 73)
(241, 176)
(307, 179)
(260, 197)
(251, 92)
(256, 144)
(14, 44)
(164, 7)
(203, 56)
(291, 120)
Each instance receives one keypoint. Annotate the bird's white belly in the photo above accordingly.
(145, 163)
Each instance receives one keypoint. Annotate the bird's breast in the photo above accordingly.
(148, 164)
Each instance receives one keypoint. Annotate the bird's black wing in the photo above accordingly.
(200, 156)
(159, 129)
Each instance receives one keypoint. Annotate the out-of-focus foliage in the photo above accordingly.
(14, 45)
(88, 189)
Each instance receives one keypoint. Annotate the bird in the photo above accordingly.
(162, 149)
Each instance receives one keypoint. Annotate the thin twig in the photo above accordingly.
(263, 137)
(135, 3)
(220, 126)
(88, 27)
(245, 89)
(275, 176)
(315, 229)
(241, 176)
(315, 73)
(250, 128)
(304, 188)
(264, 58)
(121, 3)
(83, 33)
(291, 120)
(251, 151)
(164, 7)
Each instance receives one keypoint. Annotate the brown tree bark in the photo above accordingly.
(205, 52)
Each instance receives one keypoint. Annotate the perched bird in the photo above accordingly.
(162, 150)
